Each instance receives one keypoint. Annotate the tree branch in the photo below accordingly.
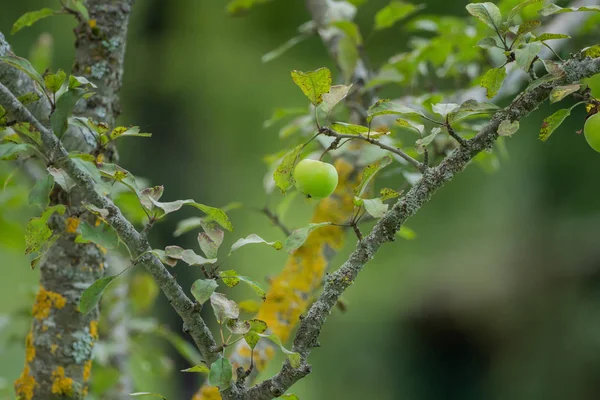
(385, 230)
(139, 246)
(417, 164)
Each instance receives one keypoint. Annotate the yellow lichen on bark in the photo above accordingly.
(207, 393)
(45, 301)
(25, 385)
(87, 370)
(61, 384)
(94, 329)
(29, 348)
(72, 225)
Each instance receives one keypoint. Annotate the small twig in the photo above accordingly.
(395, 150)
(275, 220)
(452, 132)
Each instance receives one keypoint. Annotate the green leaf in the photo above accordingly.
(488, 43)
(218, 215)
(231, 279)
(395, 11)
(552, 122)
(273, 54)
(221, 373)
(359, 130)
(26, 129)
(508, 128)
(351, 30)
(444, 109)
(201, 368)
(336, 94)
(202, 289)
(25, 66)
(592, 51)
(407, 233)
(369, 172)
(552, 9)
(150, 195)
(314, 84)
(141, 394)
(527, 54)
(299, 236)
(189, 224)
(78, 81)
(347, 57)
(55, 81)
(488, 13)
(528, 26)
(375, 207)
(210, 241)
(11, 151)
(28, 98)
(39, 194)
(422, 143)
(385, 106)
(253, 239)
(252, 339)
(289, 396)
(524, 3)
(293, 357)
(91, 296)
(132, 131)
(223, 308)
(238, 327)
(183, 347)
(37, 231)
(560, 92)
(257, 325)
(103, 235)
(492, 81)
(550, 36)
(470, 108)
(283, 175)
(64, 109)
(187, 256)
(30, 18)
(61, 178)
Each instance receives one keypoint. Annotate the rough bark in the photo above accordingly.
(59, 346)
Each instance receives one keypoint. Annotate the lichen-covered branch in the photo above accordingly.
(385, 230)
(136, 242)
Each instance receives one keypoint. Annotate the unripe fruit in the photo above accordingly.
(591, 130)
(315, 178)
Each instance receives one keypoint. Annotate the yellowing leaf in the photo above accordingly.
(314, 84)
(492, 81)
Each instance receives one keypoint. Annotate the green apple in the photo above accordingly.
(315, 178)
(591, 130)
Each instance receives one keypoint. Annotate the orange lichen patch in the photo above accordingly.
(25, 385)
(207, 393)
(87, 370)
(92, 23)
(103, 250)
(45, 301)
(72, 225)
(53, 348)
(61, 384)
(94, 329)
(29, 348)
(97, 223)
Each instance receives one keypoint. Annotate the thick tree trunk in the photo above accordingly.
(59, 346)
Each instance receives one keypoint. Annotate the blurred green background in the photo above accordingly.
(497, 298)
